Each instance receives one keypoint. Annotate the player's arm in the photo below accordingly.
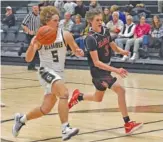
(71, 42)
(33, 47)
(117, 49)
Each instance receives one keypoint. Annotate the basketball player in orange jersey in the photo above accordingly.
(99, 45)
(52, 60)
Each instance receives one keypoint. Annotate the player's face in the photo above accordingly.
(54, 22)
(97, 23)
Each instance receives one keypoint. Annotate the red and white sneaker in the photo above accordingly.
(74, 99)
(132, 126)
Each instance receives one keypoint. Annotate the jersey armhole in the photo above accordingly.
(63, 38)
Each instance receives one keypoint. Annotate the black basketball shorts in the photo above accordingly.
(102, 83)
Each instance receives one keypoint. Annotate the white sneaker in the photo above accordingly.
(18, 125)
(125, 58)
(134, 57)
(69, 132)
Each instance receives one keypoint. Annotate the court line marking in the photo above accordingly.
(150, 131)
(69, 82)
(96, 131)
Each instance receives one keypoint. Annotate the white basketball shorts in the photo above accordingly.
(47, 77)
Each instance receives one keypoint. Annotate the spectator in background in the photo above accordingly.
(30, 25)
(94, 5)
(140, 10)
(45, 3)
(77, 29)
(66, 24)
(125, 34)
(156, 35)
(106, 15)
(115, 25)
(69, 7)
(9, 19)
(160, 6)
(140, 30)
(122, 16)
(59, 4)
(80, 8)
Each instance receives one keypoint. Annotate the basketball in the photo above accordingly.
(46, 35)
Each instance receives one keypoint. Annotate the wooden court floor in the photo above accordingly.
(98, 122)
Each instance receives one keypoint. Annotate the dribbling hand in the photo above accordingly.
(122, 72)
(35, 43)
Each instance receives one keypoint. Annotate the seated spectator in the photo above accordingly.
(45, 3)
(115, 25)
(9, 20)
(106, 15)
(59, 4)
(66, 23)
(140, 30)
(155, 38)
(160, 6)
(126, 33)
(77, 29)
(140, 10)
(94, 5)
(80, 8)
(115, 8)
(69, 7)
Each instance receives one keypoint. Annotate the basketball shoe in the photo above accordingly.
(18, 125)
(69, 132)
(74, 99)
(132, 126)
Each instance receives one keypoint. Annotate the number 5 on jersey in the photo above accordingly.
(55, 56)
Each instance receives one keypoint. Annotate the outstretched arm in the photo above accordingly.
(71, 42)
(33, 47)
(117, 49)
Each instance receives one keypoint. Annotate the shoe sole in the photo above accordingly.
(134, 129)
(15, 135)
(71, 135)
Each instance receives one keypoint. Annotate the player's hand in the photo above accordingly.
(79, 52)
(35, 43)
(122, 72)
(127, 53)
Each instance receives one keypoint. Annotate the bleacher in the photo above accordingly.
(13, 38)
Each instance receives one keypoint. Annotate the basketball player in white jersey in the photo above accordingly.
(52, 59)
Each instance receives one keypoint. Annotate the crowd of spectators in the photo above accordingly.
(128, 28)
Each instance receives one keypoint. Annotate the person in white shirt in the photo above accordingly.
(66, 24)
(69, 6)
(126, 33)
(115, 25)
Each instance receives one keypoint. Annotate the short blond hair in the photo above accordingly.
(47, 13)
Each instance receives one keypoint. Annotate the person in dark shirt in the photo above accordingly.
(9, 20)
(99, 45)
(80, 8)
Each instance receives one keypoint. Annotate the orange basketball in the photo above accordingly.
(46, 35)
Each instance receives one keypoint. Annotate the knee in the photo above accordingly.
(120, 90)
(64, 94)
(45, 109)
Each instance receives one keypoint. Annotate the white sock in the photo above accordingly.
(64, 125)
(23, 119)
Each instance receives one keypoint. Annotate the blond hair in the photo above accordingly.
(47, 13)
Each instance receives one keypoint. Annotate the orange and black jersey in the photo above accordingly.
(98, 42)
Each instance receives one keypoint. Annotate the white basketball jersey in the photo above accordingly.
(53, 56)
